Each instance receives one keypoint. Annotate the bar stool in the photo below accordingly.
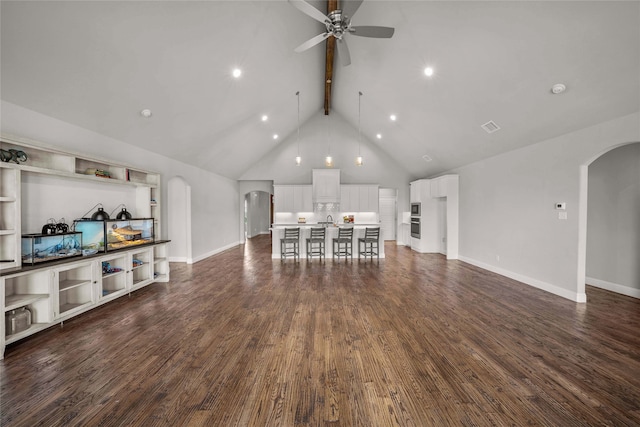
(342, 245)
(315, 243)
(371, 241)
(290, 243)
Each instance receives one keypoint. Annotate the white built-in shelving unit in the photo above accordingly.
(60, 290)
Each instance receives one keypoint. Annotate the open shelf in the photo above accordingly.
(66, 285)
(12, 302)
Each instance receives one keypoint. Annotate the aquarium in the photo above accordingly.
(92, 235)
(37, 248)
(124, 233)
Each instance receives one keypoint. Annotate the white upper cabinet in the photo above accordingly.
(359, 198)
(326, 185)
(419, 190)
(292, 198)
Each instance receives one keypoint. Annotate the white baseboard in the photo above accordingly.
(178, 259)
(613, 287)
(213, 252)
(548, 287)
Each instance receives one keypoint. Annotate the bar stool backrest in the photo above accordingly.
(317, 233)
(345, 233)
(291, 233)
(372, 233)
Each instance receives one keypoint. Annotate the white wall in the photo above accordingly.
(613, 228)
(321, 134)
(214, 198)
(257, 213)
(507, 207)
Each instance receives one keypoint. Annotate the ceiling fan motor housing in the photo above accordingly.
(337, 25)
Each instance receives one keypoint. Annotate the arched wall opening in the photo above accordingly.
(583, 216)
(257, 217)
(612, 226)
(179, 220)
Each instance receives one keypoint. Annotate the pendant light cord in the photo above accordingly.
(359, 128)
(298, 95)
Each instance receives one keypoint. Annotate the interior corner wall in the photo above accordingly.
(508, 223)
(613, 221)
(215, 204)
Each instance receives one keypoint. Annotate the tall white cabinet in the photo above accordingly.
(438, 198)
(54, 292)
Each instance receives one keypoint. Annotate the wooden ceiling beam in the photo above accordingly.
(328, 74)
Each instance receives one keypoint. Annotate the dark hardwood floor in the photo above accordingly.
(243, 340)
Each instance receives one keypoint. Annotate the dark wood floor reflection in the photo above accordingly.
(243, 340)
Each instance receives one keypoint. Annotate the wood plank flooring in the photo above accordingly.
(240, 339)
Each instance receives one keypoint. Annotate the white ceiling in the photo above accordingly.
(97, 64)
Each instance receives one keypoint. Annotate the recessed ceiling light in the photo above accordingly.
(275, 136)
(428, 71)
(379, 135)
(146, 113)
(393, 117)
(265, 118)
(237, 72)
(558, 88)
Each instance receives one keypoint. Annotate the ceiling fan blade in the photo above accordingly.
(309, 10)
(312, 42)
(372, 31)
(343, 52)
(349, 7)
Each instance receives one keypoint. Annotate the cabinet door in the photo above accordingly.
(278, 198)
(414, 192)
(75, 288)
(307, 198)
(440, 186)
(115, 276)
(372, 198)
(298, 199)
(326, 185)
(142, 262)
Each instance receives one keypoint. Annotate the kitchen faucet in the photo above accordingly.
(327, 223)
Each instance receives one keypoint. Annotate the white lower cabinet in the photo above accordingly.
(114, 279)
(142, 263)
(52, 294)
(74, 288)
(33, 292)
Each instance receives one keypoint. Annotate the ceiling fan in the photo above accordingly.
(338, 23)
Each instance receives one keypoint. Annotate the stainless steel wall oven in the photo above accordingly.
(415, 227)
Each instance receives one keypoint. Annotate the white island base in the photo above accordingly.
(332, 231)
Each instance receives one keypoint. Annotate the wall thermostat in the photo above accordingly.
(561, 206)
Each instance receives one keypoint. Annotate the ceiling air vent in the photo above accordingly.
(490, 127)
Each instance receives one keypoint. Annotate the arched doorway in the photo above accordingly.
(613, 221)
(179, 221)
(257, 215)
(583, 227)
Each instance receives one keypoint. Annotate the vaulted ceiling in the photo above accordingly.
(98, 64)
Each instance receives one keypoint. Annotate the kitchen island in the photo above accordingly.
(277, 231)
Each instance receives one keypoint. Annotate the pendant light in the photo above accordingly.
(359, 158)
(328, 161)
(298, 158)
